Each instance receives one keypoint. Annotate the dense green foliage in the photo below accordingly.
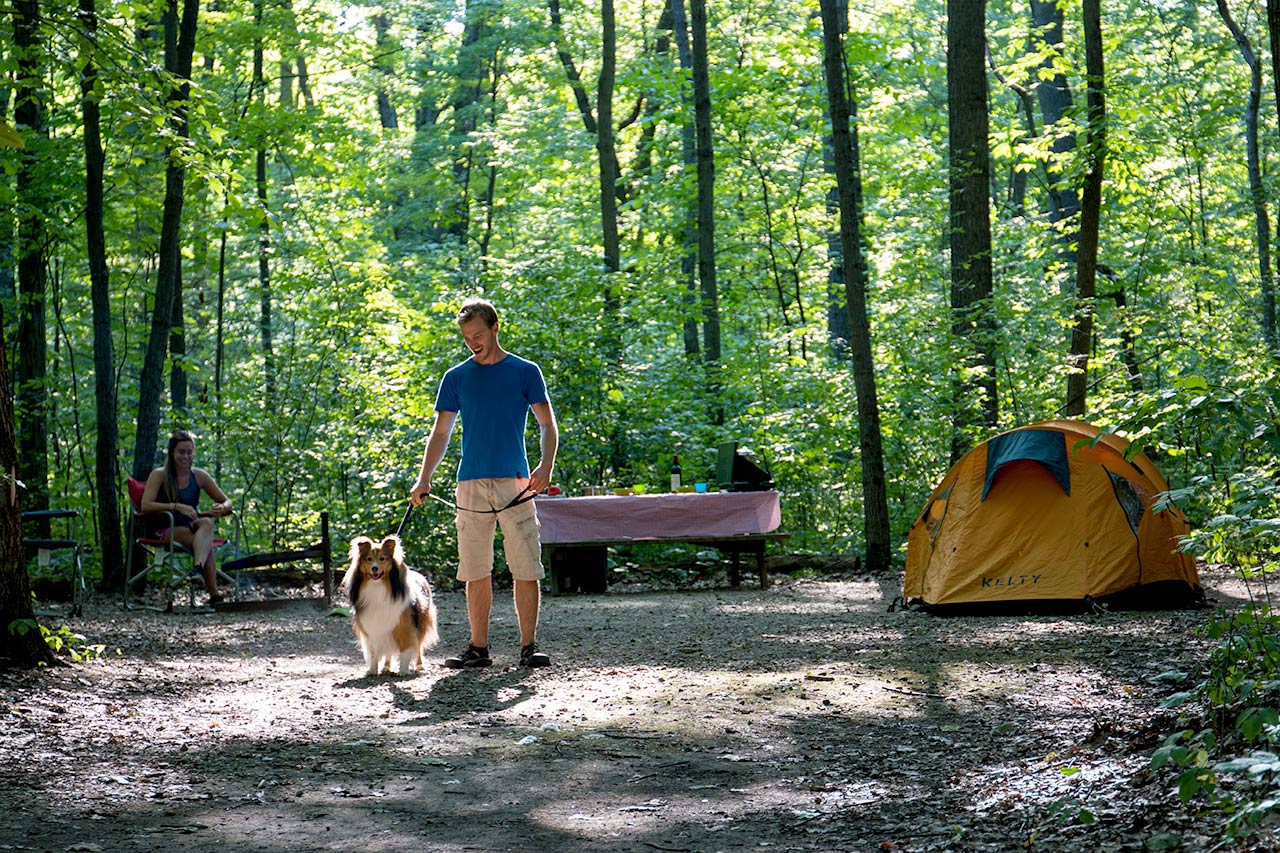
(376, 233)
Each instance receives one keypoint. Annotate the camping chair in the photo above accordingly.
(73, 536)
(170, 561)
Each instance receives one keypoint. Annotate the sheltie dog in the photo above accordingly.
(394, 613)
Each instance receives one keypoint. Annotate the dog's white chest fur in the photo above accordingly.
(379, 613)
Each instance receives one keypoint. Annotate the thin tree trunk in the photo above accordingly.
(470, 76)
(1128, 343)
(844, 137)
(32, 394)
(386, 73)
(265, 299)
(178, 353)
(106, 472)
(1055, 104)
(838, 331)
(706, 199)
(1257, 193)
(1090, 213)
(491, 183)
(7, 281)
(177, 335)
(689, 157)
(220, 351)
(293, 59)
(973, 320)
(1017, 199)
(606, 147)
(1269, 330)
(150, 383)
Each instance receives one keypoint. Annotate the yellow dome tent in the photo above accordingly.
(1050, 516)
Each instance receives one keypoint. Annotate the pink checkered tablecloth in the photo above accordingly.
(610, 518)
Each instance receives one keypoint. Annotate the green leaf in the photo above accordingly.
(10, 138)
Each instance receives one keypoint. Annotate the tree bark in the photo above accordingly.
(1090, 213)
(1269, 330)
(1257, 193)
(606, 148)
(21, 642)
(689, 157)
(973, 320)
(1055, 104)
(470, 76)
(706, 196)
(1017, 199)
(106, 472)
(32, 399)
(150, 383)
(844, 138)
(838, 331)
(386, 112)
(7, 280)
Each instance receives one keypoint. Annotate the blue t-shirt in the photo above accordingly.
(492, 402)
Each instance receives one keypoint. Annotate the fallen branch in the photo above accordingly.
(912, 692)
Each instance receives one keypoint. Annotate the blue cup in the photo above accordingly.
(700, 488)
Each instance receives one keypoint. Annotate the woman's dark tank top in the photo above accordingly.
(190, 495)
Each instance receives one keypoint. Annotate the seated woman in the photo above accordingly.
(176, 488)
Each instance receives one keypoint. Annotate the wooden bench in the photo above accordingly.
(321, 551)
(583, 566)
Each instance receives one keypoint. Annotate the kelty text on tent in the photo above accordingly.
(1011, 580)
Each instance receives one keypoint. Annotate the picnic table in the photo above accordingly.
(577, 532)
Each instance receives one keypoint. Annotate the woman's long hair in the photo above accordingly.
(170, 470)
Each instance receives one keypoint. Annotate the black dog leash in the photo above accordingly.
(407, 511)
(524, 496)
(520, 498)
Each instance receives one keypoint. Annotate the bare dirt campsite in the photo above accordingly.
(802, 717)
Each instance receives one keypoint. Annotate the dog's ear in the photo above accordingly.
(360, 546)
(393, 549)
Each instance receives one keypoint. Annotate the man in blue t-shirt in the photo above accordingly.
(493, 391)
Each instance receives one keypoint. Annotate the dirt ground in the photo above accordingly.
(802, 717)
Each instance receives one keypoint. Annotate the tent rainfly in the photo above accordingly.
(1050, 517)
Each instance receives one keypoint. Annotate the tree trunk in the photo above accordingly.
(1128, 344)
(21, 643)
(20, 640)
(689, 157)
(470, 77)
(606, 147)
(106, 472)
(1257, 193)
(1016, 205)
(177, 339)
(178, 352)
(838, 331)
(973, 320)
(706, 198)
(1269, 330)
(150, 383)
(1090, 213)
(386, 73)
(844, 137)
(32, 400)
(1055, 104)
(7, 281)
(293, 60)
